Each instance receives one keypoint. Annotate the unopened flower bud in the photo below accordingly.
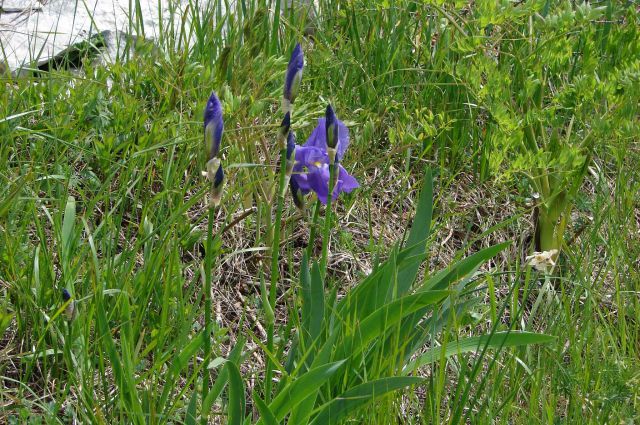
(293, 78)
(283, 131)
(331, 128)
(296, 192)
(70, 311)
(291, 153)
(213, 126)
(215, 174)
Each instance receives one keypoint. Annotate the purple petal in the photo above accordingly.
(319, 183)
(213, 125)
(302, 182)
(309, 156)
(311, 172)
(345, 183)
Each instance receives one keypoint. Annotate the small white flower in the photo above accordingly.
(543, 261)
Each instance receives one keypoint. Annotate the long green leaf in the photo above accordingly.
(306, 385)
(236, 395)
(266, 415)
(305, 284)
(360, 395)
(370, 293)
(476, 343)
(420, 229)
(462, 268)
(376, 324)
(190, 418)
(222, 379)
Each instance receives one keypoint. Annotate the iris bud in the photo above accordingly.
(293, 78)
(283, 131)
(70, 311)
(291, 153)
(331, 128)
(296, 192)
(213, 126)
(215, 174)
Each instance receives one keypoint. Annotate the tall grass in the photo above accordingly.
(102, 195)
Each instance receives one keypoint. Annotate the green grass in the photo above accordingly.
(101, 193)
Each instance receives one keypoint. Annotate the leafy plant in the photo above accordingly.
(555, 85)
(347, 352)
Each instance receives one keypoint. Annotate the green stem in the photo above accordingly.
(314, 226)
(327, 221)
(207, 301)
(547, 232)
(275, 270)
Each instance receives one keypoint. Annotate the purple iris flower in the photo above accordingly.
(311, 168)
(293, 77)
(213, 126)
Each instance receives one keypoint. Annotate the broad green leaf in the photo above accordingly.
(417, 334)
(236, 395)
(400, 268)
(304, 386)
(477, 343)
(190, 418)
(376, 324)
(266, 415)
(5, 321)
(460, 269)
(222, 379)
(416, 242)
(356, 397)
(370, 293)
(219, 385)
(302, 412)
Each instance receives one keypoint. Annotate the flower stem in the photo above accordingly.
(207, 301)
(327, 221)
(314, 225)
(275, 269)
